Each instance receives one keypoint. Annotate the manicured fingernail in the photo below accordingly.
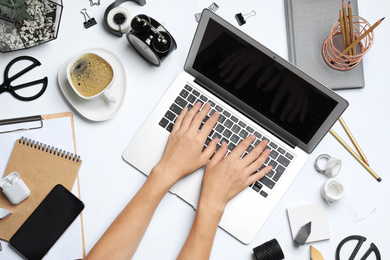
(198, 104)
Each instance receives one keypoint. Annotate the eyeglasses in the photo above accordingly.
(17, 91)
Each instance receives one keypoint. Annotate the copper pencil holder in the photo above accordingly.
(333, 45)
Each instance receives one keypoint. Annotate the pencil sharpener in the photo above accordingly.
(14, 188)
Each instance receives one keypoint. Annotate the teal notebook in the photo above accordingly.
(308, 25)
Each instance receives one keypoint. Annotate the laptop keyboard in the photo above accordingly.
(232, 130)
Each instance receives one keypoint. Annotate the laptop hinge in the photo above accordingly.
(246, 114)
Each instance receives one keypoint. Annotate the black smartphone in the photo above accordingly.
(47, 223)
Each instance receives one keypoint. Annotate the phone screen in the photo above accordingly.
(47, 223)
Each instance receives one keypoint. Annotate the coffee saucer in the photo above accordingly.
(98, 109)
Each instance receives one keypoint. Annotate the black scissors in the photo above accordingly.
(360, 239)
(6, 86)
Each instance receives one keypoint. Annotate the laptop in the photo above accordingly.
(256, 92)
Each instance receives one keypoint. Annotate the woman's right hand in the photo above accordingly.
(225, 177)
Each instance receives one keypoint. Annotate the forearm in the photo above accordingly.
(201, 237)
(122, 238)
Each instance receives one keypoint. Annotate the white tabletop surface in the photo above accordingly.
(108, 182)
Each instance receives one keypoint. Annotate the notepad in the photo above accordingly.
(314, 213)
(308, 25)
(57, 130)
(41, 167)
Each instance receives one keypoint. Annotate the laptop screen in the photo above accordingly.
(256, 81)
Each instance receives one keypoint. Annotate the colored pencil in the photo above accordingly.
(350, 19)
(346, 129)
(358, 40)
(345, 145)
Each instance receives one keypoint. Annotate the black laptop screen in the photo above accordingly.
(262, 83)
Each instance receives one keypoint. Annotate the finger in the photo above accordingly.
(198, 118)
(246, 77)
(255, 153)
(304, 108)
(190, 116)
(258, 175)
(228, 64)
(255, 165)
(209, 125)
(219, 155)
(264, 77)
(179, 119)
(288, 107)
(281, 92)
(210, 149)
(296, 109)
(273, 82)
(241, 148)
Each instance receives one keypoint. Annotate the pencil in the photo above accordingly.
(344, 125)
(342, 29)
(347, 34)
(341, 141)
(350, 18)
(358, 40)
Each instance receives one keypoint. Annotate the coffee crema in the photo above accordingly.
(91, 74)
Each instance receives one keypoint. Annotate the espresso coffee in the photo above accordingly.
(91, 74)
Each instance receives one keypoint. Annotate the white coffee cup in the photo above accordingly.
(91, 76)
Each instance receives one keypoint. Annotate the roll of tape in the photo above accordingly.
(118, 19)
(332, 190)
(332, 167)
(270, 250)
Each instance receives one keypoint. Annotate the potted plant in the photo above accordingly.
(28, 23)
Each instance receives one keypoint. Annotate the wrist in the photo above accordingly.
(163, 175)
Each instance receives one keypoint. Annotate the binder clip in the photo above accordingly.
(88, 20)
(92, 3)
(241, 18)
(212, 7)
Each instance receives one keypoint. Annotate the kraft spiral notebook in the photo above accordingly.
(308, 25)
(56, 130)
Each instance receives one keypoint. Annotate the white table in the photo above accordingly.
(108, 183)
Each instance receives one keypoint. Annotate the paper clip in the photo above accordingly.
(241, 18)
(88, 20)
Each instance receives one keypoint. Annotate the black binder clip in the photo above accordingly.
(241, 18)
(89, 22)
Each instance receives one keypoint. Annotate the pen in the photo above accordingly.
(364, 158)
(341, 141)
(358, 40)
(350, 18)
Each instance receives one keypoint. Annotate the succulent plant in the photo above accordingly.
(14, 10)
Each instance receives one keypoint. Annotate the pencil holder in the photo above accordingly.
(333, 45)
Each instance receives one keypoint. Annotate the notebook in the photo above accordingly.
(41, 167)
(257, 93)
(308, 25)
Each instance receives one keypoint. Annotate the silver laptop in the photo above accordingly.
(256, 92)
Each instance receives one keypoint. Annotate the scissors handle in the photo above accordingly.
(34, 64)
(360, 240)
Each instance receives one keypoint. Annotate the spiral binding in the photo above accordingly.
(49, 149)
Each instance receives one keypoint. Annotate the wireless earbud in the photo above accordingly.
(140, 23)
(14, 179)
(6, 185)
(14, 188)
(162, 43)
(150, 39)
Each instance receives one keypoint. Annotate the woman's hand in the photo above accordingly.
(225, 177)
(184, 152)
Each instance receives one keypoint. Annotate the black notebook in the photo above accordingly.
(308, 25)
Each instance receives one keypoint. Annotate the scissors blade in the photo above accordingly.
(315, 254)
